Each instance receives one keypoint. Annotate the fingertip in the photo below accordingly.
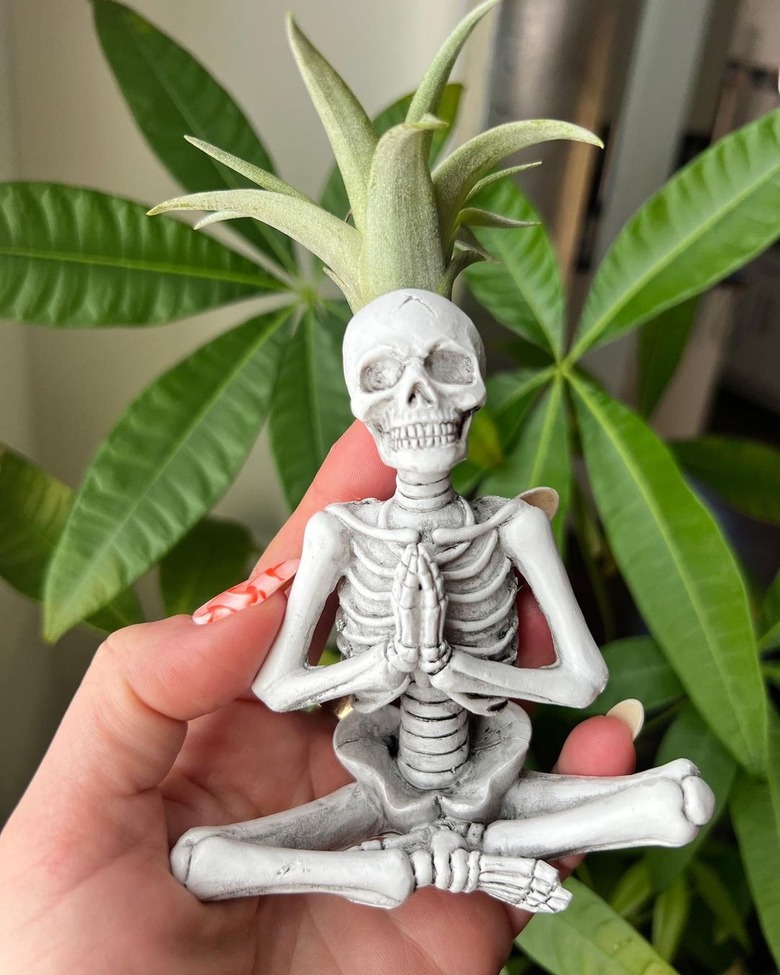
(600, 746)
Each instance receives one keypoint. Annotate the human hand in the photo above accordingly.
(163, 736)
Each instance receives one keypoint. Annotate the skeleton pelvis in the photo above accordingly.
(366, 745)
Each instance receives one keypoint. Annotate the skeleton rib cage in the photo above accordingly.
(481, 620)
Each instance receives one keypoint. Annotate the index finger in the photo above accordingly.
(352, 471)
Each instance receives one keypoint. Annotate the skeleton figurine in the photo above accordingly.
(428, 621)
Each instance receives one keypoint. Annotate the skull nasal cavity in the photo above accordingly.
(418, 395)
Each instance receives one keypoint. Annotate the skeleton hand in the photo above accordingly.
(419, 608)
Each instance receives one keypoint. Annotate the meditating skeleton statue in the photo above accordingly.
(427, 618)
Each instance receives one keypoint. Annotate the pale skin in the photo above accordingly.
(162, 736)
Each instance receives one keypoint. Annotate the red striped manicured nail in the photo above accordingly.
(252, 592)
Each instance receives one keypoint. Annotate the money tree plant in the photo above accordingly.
(397, 212)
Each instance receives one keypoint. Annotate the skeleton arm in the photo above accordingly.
(579, 673)
(286, 681)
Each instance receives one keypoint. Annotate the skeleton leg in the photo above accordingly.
(296, 851)
(549, 816)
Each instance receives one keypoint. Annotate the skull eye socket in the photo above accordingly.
(380, 374)
(449, 367)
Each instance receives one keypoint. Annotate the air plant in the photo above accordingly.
(408, 226)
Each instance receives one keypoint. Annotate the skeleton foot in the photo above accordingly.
(445, 856)
(532, 885)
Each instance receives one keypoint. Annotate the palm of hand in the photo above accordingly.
(243, 762)
(85, 883)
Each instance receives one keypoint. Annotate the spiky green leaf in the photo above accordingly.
(349, 129)
(334, 242)
(172, 95)
(708, 220)
(500, 174)
(79, 258)
(455, 177)
(429, 92)
(334, 197)
(475, 217)
(260, 177)
(680, 569)
(165, 463)
(401, 246)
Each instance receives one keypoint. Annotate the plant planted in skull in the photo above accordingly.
(182, 441)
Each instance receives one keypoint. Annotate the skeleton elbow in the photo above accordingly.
(273, 695)
(588, 687)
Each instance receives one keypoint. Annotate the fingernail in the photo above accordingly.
(631, 713)
(252, 592)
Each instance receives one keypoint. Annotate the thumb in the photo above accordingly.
(127, 722)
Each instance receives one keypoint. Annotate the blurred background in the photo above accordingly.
(657, 79)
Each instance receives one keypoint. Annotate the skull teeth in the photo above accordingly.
(422, 435)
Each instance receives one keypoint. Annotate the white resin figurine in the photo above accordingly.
(427, 629)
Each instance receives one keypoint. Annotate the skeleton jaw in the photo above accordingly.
(418, 436)
(422, 445)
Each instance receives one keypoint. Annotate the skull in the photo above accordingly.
(413, 363)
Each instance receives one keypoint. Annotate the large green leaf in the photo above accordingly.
(76, 257)
(497, 427)
(670, 915)
(680, 569)
(589, 938)
(510, 397)
(637, 668)
(334, 197)
(34, 507)
(524, 291)
(165, 463)
(541, 456)
(660, 348)
(755, 811)
(769, 617)
(172, 95)
(311, 407)
(744, 473)
(689, 737)
(709, 219)
(210, 558)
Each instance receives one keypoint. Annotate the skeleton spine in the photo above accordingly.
(433, 739)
